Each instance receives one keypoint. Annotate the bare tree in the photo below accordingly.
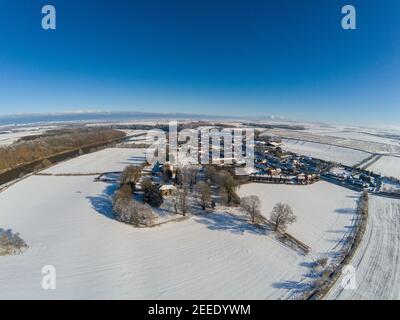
(228, 187)
(186, 178)
(204, 194)
(151, 193)
(122, 204)
(251, 205)
(11, 243)
(145, 214)
(131, 176)
(181, 201)
(282, 215)
(211, 174)
(130, 211)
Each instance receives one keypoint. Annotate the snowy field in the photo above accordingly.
(376, 261)
(357, 140)
(324, 211)
(387, 166)
(107, 160)
(325, 152)
(141, 139)
(8, 137)
(129, 132)
(355, 133)
(68, 225)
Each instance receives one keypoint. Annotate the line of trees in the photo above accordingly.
(131, 211)
(126, 208)
(226, 183)
(281, 215)
(363, 203)
(186, 179)
(203, 192)
(25, 151)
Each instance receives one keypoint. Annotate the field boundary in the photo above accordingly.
(361, 224)
(14, 173)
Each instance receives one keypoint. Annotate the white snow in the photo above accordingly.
(361, 139)
(324, 211)
(107, 160)
(136, 132)
(386, 166)
(8, 137)
(376, 262)
(67, 224)
(325, 152)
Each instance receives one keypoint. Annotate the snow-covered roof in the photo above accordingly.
(167, 187)
(275, 144)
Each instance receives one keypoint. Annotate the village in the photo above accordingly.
(292, 205)
(272, 165)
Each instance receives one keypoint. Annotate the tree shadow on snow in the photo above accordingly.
(135, 160)
(226, 222)
(345, 211)
(297, 287)
(336, 231)
(103, 202)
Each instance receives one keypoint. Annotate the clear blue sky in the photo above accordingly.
(284, 57)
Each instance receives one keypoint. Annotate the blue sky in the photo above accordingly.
(286, 58)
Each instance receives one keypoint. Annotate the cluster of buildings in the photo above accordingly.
(354, 178)
(276, 166)
(273, 165)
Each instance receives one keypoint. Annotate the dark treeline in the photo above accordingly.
(276, 126)
(165, 127)
(55, 142)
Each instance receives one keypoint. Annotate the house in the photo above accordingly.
(274, 171)
(274, 144)
(301, 178)
(167, 189)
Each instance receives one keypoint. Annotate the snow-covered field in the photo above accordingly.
(356, 139)
(325, 152)
(107, 160)
(387, 166)
(142, 139)
(129, 132)
(355, 133)
(376, 261)
(324, 211)
(8, 137)
(67, 224)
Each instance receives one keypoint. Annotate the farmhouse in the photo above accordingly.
(274, 144)
(167, 189)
